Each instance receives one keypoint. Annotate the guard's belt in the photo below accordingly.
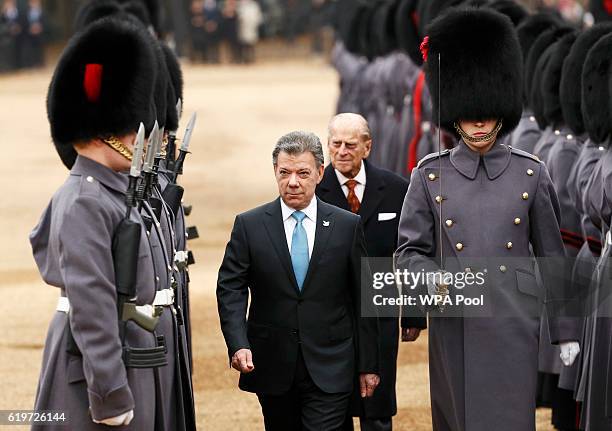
(163, 298)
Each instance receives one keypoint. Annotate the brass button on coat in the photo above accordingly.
(439, 198)
(449, 223)
(525, 196)
(508, 245)
(517, 221)
(503, 268)
(459, 246)
(530, 172)
(431, 177)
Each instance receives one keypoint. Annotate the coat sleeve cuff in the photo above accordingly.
(414, 322)
(563, 329)
(112, 404)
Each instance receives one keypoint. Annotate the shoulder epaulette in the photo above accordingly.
(432, 156)
(524, 154)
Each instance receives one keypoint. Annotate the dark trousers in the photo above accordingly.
(379, 424)
(305, 407)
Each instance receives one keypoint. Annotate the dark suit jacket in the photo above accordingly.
(384, 193)
(322, 319)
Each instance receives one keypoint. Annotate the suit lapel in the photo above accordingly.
(373, 193)
(276, 231)
(323, 231)
(330, 190)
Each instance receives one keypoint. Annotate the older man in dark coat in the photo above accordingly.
(352, 183)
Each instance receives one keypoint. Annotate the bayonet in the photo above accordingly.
(149, 156)
(184, 150)
(138, 152)
(171, 147)
(131, 198)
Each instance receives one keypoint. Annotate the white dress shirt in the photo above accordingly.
(359, 187)
(309, 223)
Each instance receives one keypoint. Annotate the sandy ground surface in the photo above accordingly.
(242, 111)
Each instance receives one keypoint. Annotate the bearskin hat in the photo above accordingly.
(383, 30)
(102, 85)
(367, 30)
(352, 39)
(176, 75)
(601, 10)
(570, 91)
(540, 45)
(94, 10)
(516, 12)
(173, 89)
(428, 10)
(480, 71)
(551, 79)
(154, 12)
(596, 94)
(407, 30)
(536, 95)
(137, 9)
(531, 27)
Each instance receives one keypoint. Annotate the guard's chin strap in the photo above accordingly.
(489, 136)
(118, 146)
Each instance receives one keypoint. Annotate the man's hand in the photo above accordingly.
(569, 351)
(410, 334)
(367, 384)
(243, 361)
(116, 421)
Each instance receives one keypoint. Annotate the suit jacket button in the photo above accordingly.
(459, 246)
(468, 269)
(449, 223)
(530, 172)
(432, 177)
(503, 268)
(508, 245)
(439, 199)
(525, 196)
(517, 221)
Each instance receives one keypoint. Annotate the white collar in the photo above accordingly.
(310, 210)
(360, 177)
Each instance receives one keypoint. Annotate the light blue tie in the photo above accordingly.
(299, 249)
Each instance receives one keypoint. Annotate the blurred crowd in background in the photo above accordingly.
(22, 34)
(207, 31)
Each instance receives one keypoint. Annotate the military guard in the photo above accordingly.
(460, 208)
(594, 388)
(100, 364)
(527, 132)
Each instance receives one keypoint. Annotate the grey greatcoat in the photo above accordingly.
(595, 384)
(401, 89)
(527, 133)
(176, 377)
(584, 266)
(545, 143)
(483, 369)
(72, 248)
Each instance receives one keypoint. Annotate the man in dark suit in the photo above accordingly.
(377, 195)
(304, 338)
